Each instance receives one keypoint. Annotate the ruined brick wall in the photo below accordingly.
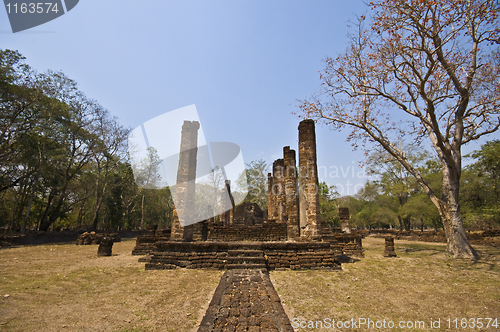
(95, 238)
(191, 255)
(351, 244)
(270, 231)
(248, 214)
(144, 243)
(301, 256)
(213, 255)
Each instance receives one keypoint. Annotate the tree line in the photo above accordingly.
(395, 200)
(63, 162)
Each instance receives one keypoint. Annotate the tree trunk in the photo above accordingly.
(30, 203)
(95, 216)
(449, 210)
(33, 190)
(407, 223)
(401, 227)
(44, 225)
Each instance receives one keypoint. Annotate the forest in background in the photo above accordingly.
(64, 165)
(63, 158)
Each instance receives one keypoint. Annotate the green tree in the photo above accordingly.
(255, 179)
(328, 203)
(53, 142)
(480, 194)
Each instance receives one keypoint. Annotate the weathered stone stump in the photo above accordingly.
(105, 247)
(344, 220)
(389, 247)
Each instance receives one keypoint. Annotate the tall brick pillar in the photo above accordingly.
(227, 205)
(185, 186)
(270, 197)
(224, 210)
(278, 190)
(292, 200)
(308, 181)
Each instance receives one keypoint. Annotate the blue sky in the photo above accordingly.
(243, 63)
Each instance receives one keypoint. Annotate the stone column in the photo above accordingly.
(389, 247)
(211, 222)
(224, 209)
(292, 200)
(270, 197)
(344, 220)
(185, 186)
(308, 177)
(231, 210)
(278, 190)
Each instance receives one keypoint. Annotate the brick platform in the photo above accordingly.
(226, 255)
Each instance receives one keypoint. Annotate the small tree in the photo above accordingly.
(424, 69)
(255, 179)
(328, 204)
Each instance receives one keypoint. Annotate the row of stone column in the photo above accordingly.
(294, 198)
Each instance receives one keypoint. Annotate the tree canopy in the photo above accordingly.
(422, 69)
(62, 157)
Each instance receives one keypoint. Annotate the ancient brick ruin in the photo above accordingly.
(144, 243)
(87, 238)
(290, 234)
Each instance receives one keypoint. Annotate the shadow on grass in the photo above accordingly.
(420, 250)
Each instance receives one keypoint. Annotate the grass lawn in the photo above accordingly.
(68, 288)
(421, 284)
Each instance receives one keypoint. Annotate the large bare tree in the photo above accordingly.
(421, 70)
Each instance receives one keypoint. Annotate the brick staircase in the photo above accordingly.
(242, 255)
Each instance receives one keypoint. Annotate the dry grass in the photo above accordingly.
(68, 288)
(422, 283)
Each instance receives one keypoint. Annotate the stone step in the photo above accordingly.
(329, 238)
(245, 253)
(245, 266)
(244, 246)
(247, 260)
